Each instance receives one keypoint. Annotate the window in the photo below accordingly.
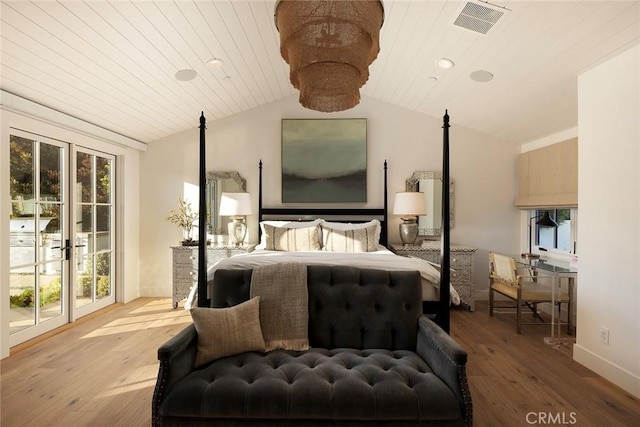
(561, 238)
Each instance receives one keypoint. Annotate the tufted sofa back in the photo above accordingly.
(348, 306)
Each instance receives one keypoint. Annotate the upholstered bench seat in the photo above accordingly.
(317, 384)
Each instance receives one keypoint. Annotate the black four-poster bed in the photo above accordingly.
(440, 308)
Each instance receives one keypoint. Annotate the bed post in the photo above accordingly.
(385, 213)
(259, 199)
(202, 220)
(445, 253)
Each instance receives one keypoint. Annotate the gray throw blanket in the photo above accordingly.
(284, 305)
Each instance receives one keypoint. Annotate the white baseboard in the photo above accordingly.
(612, 372)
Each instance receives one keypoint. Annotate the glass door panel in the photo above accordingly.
(103, 184)
(22, 254)
(50, 290)
(51, 239)
(84, 247)
(22, 288)
(84, 177)
(84, 281)
(103, 274)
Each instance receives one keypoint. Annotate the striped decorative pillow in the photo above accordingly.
(286, 224)
(292, 239)
(354, 240)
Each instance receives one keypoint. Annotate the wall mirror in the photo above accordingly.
(217, 183)
(430, 183)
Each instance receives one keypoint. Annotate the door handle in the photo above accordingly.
(67, 248)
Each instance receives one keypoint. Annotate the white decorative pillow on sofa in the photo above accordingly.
(284, 224)
(292, 239)
(227, 331)
(354, 240)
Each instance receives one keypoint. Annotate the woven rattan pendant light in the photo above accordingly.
(329, 46)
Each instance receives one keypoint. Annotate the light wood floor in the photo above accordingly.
(101, 372)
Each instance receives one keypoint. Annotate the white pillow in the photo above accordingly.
(343, 226)
(353, 240)
(286, 224)
(292, 239)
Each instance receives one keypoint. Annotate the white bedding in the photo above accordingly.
(382, 259)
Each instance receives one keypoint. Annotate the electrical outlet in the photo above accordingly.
(604, 335)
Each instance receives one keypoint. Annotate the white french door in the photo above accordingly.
(61, 234)
(94, 236)
(39, 230)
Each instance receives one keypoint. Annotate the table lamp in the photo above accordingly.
(236, 205)
(409, 205)
(545, 221)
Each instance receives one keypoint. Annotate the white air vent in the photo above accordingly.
(479, 17)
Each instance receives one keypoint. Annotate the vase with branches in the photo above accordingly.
(184, 217)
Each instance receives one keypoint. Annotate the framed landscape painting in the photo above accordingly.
(324, 160)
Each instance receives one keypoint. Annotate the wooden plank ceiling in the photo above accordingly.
(112, 63)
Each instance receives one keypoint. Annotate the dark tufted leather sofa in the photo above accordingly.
(374, 361)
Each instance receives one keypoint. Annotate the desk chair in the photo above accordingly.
(524, 287)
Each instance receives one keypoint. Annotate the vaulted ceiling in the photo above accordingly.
(113, 63)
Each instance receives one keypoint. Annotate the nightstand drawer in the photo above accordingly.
(460, 276)
(185, 273)
(461, 260)
(187, 257)
(182, 287)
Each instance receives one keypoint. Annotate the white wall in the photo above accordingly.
(41, 120)
(484, 171)
(129, 225)
(609, 233)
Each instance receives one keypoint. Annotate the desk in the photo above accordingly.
(557, 270)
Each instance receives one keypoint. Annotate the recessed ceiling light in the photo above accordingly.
(445, 63)
(481, 76)
(215, 62)
(186, 75)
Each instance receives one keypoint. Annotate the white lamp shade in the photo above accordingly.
(409, 203)
(235, 204)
